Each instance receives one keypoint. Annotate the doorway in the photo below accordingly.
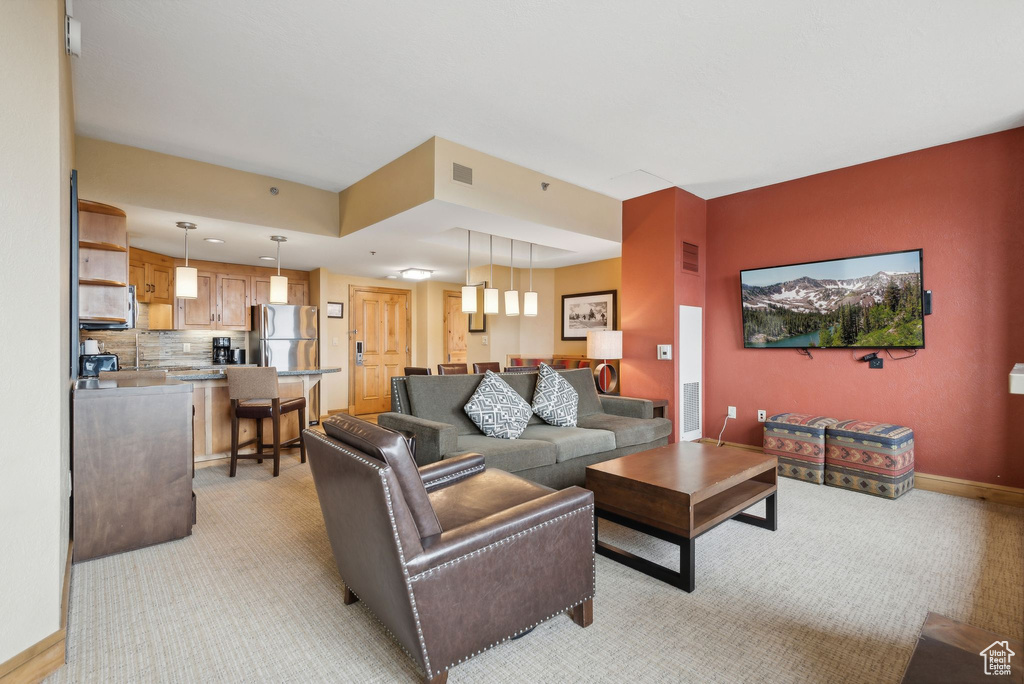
(456, 328)
(382, 334)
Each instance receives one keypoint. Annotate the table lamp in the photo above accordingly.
(605, 345)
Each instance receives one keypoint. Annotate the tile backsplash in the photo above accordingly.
(161, 348)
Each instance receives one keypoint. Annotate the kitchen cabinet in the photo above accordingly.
(102, 263)
(199, 313)
(297, 291)
(222, 303)
(153, 277)
(260, 286)
(233, 306)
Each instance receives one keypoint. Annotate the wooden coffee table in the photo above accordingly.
(677, 493)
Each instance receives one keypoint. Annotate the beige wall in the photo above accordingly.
(395, 187)
(36, 154)
(592, 277)
(119, 174)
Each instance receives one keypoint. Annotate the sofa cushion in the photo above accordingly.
(582, 380)
(571, 442)
(628, 431)
(481, 495)
(508, 454)
(497, 409)
(555, 400)
(440, 398)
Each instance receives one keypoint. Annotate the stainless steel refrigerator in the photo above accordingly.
(286, 337)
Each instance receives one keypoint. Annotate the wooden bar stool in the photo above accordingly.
(254, 394)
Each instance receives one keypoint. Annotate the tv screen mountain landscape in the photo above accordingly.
(869, 301)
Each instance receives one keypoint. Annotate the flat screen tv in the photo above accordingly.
(866, 301)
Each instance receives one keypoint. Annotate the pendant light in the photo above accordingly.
(278, 283)
(511, 295)
(530, 297)
(468, 291)
(186, 279)
(491, 293)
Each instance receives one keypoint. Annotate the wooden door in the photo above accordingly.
(456, 326)
(232, 302)
(381, 319)
(297, 293)
(199, 313)
(137, 277)
(260, 288)
(161, 283)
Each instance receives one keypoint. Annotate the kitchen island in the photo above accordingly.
(212, 427)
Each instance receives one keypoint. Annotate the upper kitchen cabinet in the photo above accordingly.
(297, 291)
(102, 263)
(152, 275)
(233, 302)
(199, 313)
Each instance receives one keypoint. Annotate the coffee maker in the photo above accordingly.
(221, 350)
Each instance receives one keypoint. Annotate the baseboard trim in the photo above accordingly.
(969, 489)
(48, 655)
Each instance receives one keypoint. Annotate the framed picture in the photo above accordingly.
(588, 311)
(335, 309)
(477, 321)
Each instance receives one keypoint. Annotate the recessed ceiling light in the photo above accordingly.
(391, 277)
(269, 258)
(216, 241)
(415, 274)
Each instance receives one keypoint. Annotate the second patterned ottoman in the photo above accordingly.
(874, 458)
(798, 439)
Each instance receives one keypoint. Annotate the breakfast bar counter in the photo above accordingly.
(212, 426)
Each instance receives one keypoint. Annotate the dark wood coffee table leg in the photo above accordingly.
(770, 520)
(684, 578)
(687, 565)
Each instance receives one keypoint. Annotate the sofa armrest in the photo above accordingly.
(627, 407)
(504, 526)
(444, 473)
(433, 440)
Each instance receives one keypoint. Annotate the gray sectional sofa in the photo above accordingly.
(430, 407)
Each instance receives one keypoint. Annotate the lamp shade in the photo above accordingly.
(186, 282)
(468, 299)
(529, 303)
(278, 289)
(604, 344)
(511, 302)
(490, 300)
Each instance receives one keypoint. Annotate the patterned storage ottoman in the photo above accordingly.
(875, 458)
(798, 439)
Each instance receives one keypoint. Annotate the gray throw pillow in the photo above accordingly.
(497, 409)
(555, 400)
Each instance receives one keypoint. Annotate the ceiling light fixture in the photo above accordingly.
(216, 241)
(530, 297)
(512, 294)
(468, 291)
(416, 273)
(391, 277)
(186, 279)
(278, 283)
(266, 258)
(491, 293)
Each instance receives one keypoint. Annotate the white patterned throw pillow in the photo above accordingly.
(497, 409)
(555, 400)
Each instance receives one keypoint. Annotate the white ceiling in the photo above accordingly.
(422, 237)
(714, 96)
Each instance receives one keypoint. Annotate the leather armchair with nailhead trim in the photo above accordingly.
(452, 558)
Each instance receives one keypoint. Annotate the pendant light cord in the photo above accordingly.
(531, 267)
(186, 248)
(278, 257)
(469, 239)
(511, 264)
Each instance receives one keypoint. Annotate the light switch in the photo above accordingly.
(664, 352)
(334, 341)
(483, 340)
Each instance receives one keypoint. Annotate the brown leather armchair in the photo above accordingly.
(453, 558)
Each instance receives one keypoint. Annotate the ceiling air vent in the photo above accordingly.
(462, 174)
(691, 261)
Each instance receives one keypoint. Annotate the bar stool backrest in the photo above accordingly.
(252, 383)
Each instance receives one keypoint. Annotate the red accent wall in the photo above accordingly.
(653, 287)
(963, 203)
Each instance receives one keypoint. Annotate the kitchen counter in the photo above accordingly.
(217, 374)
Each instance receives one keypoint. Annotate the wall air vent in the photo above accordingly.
(462, 174)
(691, 258)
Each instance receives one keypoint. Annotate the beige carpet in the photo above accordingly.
(837, 594)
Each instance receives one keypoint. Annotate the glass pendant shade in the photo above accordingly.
(512, 302)
(490, 300)
(186, 282)
(529, 303)
(278, 289)
(469, 299)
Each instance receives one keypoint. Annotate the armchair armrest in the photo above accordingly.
(503, 526)
(433, 440)
(627, 407)
(443, 473)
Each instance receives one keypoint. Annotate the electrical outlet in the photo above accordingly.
(762, 415)
(483, 340)
(876, 363)
(186, 346)
(664, 352)
(732, 411)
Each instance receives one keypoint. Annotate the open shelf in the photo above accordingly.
(100, 281)
(105, 246)
(725, 505)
